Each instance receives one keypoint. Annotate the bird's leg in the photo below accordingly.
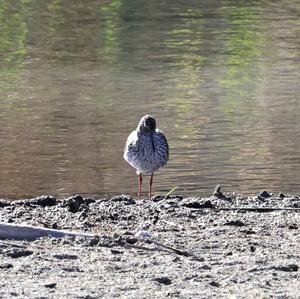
(150, 185)
(140, 185)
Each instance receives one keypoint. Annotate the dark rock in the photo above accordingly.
(114, 216)
(131, 240)
(281, 195)
(194, 203)
(248, 231)
(6, 266)
(252, 248)
(83, 207)
(158, 198)
(50, 285)
(92, 241)
(155, 219)
(54, 225)
(163, 280)
(287, 268)
(115, 251)
(126, 199)
(264, 194)
(73, 203)
(83, 215)
(17, 252)
(65, 256)
(214, 284)
(293, 226)
(89, 200)
(44, 201)
(235, 223)
(205, 267)
(219, 194)
(4, 203)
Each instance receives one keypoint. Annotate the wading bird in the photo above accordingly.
(146, 150)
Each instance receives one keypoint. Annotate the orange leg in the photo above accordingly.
(140, 185)
(150, 185)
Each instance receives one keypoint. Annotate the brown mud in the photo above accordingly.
(224, 246)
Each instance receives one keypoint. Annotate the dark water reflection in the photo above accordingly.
(222, 78)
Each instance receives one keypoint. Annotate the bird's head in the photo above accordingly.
(147, 124)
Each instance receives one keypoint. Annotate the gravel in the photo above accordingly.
(227, 245)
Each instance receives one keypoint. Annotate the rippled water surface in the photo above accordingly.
(221, 77)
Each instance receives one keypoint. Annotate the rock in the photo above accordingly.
(126, 199)
(17, 252)
(219, 194)
(264, 194)
(163, 280)
(4, 203)
(293, 226)
(115, 251)
(235, 223)
(6, 266)
(44, 201)
(73, 203)
(157, 198)
(249, 231)
(131, 240)
(287, 268)
(194, 203)
(65, 256)
(214, 284)
(54, 225)
(50, 285)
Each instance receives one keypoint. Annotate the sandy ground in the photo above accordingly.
(224, 246)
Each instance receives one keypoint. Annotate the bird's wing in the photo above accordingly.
(131, 140)
(163, 140)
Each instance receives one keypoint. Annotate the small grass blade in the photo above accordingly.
(170, 192)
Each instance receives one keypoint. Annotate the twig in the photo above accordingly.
(178, 251)
(254, 209)
(127, 245)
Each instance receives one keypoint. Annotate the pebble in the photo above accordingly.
(50, 285)
(235, 223)
(16, 252)
(163, 280)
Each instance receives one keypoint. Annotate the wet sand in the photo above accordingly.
(224, 246)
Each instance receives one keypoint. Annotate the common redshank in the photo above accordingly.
(146, 150)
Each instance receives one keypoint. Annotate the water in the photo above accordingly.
(221, 77)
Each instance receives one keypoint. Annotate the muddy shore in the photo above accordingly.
(224, 246)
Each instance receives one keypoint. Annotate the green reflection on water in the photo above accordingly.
(111, 27)
(184, 43)
(12, 41)
(243, 48)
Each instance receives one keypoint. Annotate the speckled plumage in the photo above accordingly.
(146, 148)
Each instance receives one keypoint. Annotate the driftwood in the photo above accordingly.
(27, 232)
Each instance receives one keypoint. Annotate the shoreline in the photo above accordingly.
(224, 245)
